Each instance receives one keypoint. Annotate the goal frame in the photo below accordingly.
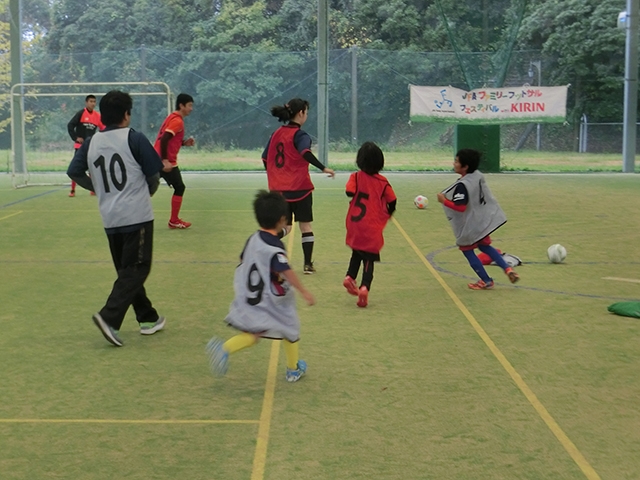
(20, 176)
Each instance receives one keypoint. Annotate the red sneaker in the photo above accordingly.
(178, 224)
(481, 285)
(72, 193)
(351, 286)
(93, 194)
(513, 276)
(363, 297)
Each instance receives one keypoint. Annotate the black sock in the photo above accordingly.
(307, 247)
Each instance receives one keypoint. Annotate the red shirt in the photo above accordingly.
(90, 120)
(174, 124)
(368, 214)
(287, 170)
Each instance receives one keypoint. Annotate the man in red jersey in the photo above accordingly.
(373, 201)
(286, 158)
(84, 123)
(168, 142)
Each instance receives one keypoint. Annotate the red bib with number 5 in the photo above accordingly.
(368, 214)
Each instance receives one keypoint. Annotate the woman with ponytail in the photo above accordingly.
(286, 159)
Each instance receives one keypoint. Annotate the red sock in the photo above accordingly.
(73, 186)
(176, 203)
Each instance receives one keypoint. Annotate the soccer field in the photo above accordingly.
(430, 381)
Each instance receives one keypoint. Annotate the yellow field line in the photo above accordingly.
(260, 457)
(630, 280)
(11, 215)
(114, 421)
(564, 440)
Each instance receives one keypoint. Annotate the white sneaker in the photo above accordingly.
(149, 328)
(109, 333)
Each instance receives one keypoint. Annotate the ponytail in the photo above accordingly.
(286, 112)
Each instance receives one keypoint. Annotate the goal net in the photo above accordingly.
(41, 147)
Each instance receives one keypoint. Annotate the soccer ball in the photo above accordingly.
(421, 202)
(556, 253)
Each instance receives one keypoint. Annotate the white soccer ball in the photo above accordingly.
(421, 202)
(556, 253)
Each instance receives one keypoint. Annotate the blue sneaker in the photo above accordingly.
(149, 328)
(218, 357)
(294, 375)
(109, 333)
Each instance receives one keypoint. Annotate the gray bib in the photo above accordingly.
(118, 180)
(260, 305)
(483, 214)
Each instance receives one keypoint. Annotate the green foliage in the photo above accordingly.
(237, 28)
(585, 49)
(5, 66)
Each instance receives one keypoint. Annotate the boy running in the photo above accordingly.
(264, 303)
(168, 142)
(474, 213)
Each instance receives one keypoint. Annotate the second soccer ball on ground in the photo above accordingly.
(421, 202)
(556, 253)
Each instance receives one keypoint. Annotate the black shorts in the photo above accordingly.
(174, 179)
(302, 210)
(366, 256)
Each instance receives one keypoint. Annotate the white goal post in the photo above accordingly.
(40, 145)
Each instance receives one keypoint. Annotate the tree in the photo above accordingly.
(36, 17)
(582, 47)
(5, 66)
(82, 26)
(238, 27)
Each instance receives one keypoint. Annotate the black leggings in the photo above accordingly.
(367, 260)
(174, 179)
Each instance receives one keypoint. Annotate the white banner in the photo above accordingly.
(489, 105)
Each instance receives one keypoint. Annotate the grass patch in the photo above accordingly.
(403, 389)
(401, 159)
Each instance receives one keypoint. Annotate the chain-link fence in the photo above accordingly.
(368, 100)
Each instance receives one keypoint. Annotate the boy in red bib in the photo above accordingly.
(373, 201)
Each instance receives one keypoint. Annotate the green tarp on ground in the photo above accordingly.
(626, 309)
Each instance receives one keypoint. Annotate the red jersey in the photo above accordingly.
(287, 170)
(368, 214)
(174, 123)
(88, 123)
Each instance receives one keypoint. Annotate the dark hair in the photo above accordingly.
(113, 107)
(289, 110)
(469, 158)
(370, 158)
(269, 208)
(183, 99)
(89, 97)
